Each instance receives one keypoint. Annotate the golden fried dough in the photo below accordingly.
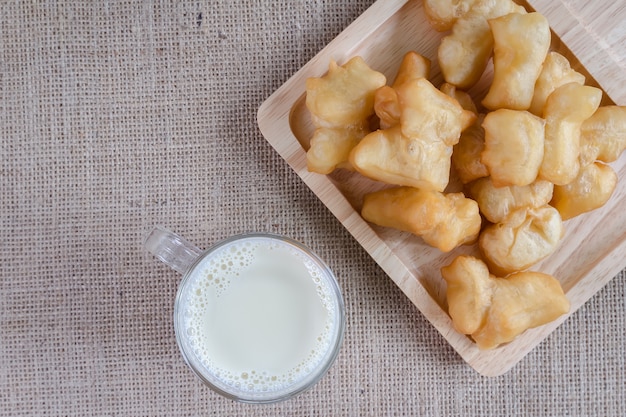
(442, 14)
(590, 190)
(521, 43)
(464, 99)
(416, 152)
(444, 221)
(536, 158)
(514, 146)
(463, 55)
(521, 239)
(344, 97)
(605, 132)
(566, 109)
(341, 104)
(330, 148)
(466, 153)
(496, 310)
(496, 203)
(428, 113)
(389, 156)
(387, 107)
(555, 72)
(412, 67)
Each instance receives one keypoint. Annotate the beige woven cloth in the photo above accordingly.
(119, 115)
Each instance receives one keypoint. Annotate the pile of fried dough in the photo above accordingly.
(531, 154)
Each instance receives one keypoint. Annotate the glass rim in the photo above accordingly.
(301, 385)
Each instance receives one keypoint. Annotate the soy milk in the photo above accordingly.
(259, 315)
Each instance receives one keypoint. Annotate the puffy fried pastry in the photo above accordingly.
(428, 113)
(605, 133)
(590, 190)
(387, 155)
(412, 67)
(386, 105)
(341, 103)
(496, 310)
(565, 111)
(344, 97)
(466, 153)
(463, 54)
(495, 8)
(497, 203)
(555, 72)
(417, 152)
(521, 43)
(514, 146)
(442, 14)
(522, 239)
(330, 148)
(464, 99)
(469, 292)
(444, 221)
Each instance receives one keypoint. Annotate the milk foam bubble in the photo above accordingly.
(259, 314)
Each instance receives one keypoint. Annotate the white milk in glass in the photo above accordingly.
(259, 314)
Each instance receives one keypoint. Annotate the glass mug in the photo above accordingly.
(258, 317)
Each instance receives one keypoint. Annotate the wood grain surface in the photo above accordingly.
(591, 253)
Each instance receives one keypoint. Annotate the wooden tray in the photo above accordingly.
(593, 249)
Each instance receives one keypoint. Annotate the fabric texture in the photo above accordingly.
(116, 116)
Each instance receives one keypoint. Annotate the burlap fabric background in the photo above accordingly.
(119, 115)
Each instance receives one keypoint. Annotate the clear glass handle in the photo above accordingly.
(171, 249)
